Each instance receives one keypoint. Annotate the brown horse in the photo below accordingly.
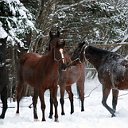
(42, 73)
(73, 74)
(112, 71)
(4, 79)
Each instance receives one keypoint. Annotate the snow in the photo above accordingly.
(19, 24)
(94, 116)
(3, 33)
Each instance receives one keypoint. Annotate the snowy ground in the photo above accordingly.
(94, 116)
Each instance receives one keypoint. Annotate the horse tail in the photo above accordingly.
(78, 91)
(20, 66)
(21, 85)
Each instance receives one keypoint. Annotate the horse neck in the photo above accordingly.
(52, 57)
(67, 58)
(97, 61)
(96, 64)
(82, 58)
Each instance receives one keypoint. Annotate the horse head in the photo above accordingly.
(2, 51)
(79, 52)
(55, 40)
(57, 45)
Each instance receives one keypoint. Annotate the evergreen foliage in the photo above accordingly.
(94, 21)
(16, 20)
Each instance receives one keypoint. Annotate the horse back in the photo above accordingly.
(37, 70)
(73, 74)
(30, 57)
(113, 72)
(27, 65)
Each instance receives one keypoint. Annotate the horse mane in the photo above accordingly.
(98, 50)
(98, 53)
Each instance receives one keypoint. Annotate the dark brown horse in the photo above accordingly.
(3, 76)
(112, 71)
(42, 73)
(73, 74)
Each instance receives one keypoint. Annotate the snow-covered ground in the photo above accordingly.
(94, 116)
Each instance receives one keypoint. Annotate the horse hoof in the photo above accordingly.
(43, 120)
(62, 114)
(50, 116)
(17, 112)
(113, 115)
(36, 118)
(1, 117)
(56, 120)
(71, 112)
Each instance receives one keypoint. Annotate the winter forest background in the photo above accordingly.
(103, 23)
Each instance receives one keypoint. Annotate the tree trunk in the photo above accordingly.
(44, 23)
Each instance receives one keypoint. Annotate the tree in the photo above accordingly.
(16, 20)
(44, 23)
(97, 21)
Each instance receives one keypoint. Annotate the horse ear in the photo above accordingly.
(83, 42)
(58, 33)
(5, 39)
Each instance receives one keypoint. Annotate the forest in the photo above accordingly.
(27, 23)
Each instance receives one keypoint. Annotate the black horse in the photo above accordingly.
(3, 76)
(112, 71)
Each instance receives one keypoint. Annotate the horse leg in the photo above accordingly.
(106, 92)
(80, 90)
(115, 93)
(69, 91)
(41, 96)
(4, 102)
(53, 92)
(19, 94)
(34, 99)
(62, 91)
(51, 107)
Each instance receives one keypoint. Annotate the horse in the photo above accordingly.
(72, 74)
(112, 71)
(41, 72)
(3, 76)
